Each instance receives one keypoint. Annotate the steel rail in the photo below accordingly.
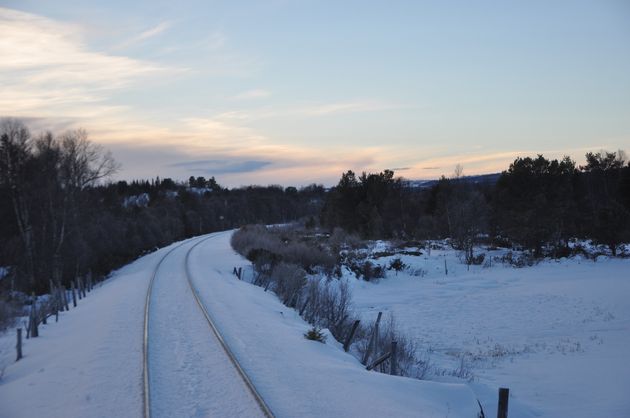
(259, 400)
(146, 398)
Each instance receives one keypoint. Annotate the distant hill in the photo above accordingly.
(489, 179)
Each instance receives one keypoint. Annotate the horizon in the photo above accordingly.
(297, 93)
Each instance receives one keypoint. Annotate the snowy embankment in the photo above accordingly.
(557, 333)
(90, 363)
(302, 378)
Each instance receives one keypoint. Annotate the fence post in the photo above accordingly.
(53, 297)
(372, 342)
(18, 346)
(34, 330)
(74, 294)
(445, 268)
(392, 360)
(378, 361)
(89, 281)
(58, 299)
(502, 411)
(346, 344)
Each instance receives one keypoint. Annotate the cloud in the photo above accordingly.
(347, 107)
(305, 110)
(47, 69)
(252, 94)
(223, 166)
(147, 34)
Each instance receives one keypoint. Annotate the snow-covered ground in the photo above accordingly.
(90, 363)
(190, 374)
(557, 333)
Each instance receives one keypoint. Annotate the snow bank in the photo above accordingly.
(298, 377)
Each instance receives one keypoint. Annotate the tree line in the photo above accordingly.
(62, 216)
(536, 204)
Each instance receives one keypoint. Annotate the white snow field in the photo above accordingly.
(89, 364)
(557, 333)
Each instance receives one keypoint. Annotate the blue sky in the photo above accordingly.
(294, 92)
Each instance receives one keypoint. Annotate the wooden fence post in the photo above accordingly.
(372, 342)
(58, 299)
(89, 281)
(502, 411)
(81, 287)
(53, 298)
(34, 330)
(392, 360)
(65, 298)
(74, 294)
(18, 346)
(378, 361)
(346, 344)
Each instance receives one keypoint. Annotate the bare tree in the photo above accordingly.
(45, 177)
(15, 157)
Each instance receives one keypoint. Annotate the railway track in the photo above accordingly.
(210, 346)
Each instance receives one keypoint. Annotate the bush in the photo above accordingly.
(288, 280)
(478, 259)
(397, 265)
(265, 248)
(308, 257)
(370, 271)
(253, 237)
(315, 334)
(9, 311)
(329, 305)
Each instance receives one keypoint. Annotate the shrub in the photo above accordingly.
(397, 265)
(371, 271)
(9, 311)
(252, 237)
(478, 259)
(329, 304)
(288, 279)
(315, 334)
(308, 257)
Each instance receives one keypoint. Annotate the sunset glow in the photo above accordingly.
(291, 93)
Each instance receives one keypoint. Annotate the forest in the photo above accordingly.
(64, 217)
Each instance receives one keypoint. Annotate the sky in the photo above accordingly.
(294, 92)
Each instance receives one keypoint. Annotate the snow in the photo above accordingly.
(183, 349)
(557, 333)
(298, 377)
(141, 200)
(89, 364)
